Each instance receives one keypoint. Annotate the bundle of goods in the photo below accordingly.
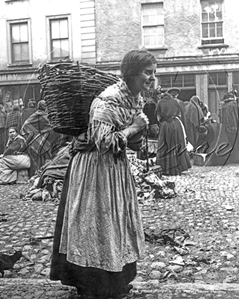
(68, 89)
(149, 181)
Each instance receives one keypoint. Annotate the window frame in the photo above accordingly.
(49, 39)
(212, 40)
(10, 44)
(217, 84)
(155, 25)
(172, 81)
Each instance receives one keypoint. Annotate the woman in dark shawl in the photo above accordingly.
(172, 154)
(228, 115)
(194, 122)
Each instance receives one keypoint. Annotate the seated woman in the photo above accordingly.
(13, 158)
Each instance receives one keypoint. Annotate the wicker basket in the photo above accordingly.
(69, 89)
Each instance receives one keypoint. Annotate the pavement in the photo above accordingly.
(206, 208)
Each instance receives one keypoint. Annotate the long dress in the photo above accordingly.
(229, 118)
(99, 235)
(172, 154)
(194, 118)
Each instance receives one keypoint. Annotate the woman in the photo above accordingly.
(99, 235)
(27, 112)
(195, 129)
(172, 154)
(42, 141)
(13, 158)
(228, 114)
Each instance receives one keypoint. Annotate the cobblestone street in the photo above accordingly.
(206, 208)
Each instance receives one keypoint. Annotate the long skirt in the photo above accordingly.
(98, 234)
(9, 165)
(216, 145)
(172, 154)
(233, 137)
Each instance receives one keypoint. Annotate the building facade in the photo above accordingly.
(196, 42)
(34, 32)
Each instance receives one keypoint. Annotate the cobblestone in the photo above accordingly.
(206, 207)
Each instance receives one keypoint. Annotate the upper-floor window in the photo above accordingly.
(212, 22)
(19, 32)
(153, 25)
(59, 38)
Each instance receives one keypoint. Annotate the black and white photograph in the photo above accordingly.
(119, 149)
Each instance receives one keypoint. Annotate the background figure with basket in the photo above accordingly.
(99, 234)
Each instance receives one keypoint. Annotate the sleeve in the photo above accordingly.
(105, 128)
(13, 148)
(106, 138)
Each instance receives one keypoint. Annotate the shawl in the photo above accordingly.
(15, 145)
(39, 133)
(27, 112)
(194, 111)
(168, 108)
(112, 111)
(229, 115)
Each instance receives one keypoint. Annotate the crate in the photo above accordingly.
(201, 159)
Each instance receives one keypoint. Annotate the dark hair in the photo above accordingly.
(32, 104)
(12, 127)
(41, 105)
(134, 62)
(15, 107)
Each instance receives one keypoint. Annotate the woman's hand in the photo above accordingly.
(140, 122)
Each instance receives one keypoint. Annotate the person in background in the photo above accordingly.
(99, 235)
(14, 119)
(42, 141)
(228, 115)
(3, 118)
(14, 157)
(195, 128)
(27, 112)
(175, 93)
(172, 153)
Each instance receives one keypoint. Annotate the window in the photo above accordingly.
(212, 22)
(235, 80)
(177, 80)
(19, 39)
(217, 79)
(235, 77)
(153, 25)
(59, 38)
(217, 88)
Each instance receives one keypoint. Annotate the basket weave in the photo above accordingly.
(69, 89)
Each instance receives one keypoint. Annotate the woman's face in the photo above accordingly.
(143, 81)
(12, 133)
